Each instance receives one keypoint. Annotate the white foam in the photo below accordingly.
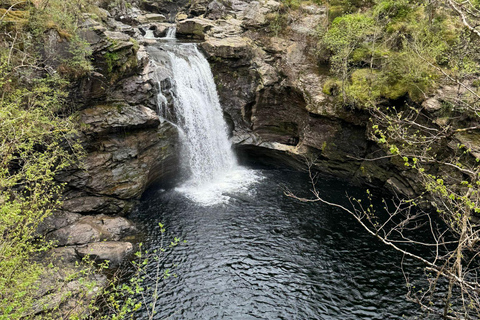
(237, 181)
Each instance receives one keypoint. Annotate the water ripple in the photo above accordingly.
(272, 257)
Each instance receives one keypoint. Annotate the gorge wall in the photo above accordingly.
(270, 78)
(270, 84)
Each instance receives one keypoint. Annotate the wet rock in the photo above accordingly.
(168, 8)
(278, 115)
(151, 17)
(85, 204)
(114, 252)
(127, 150)
(336, 140)
(77, 233)
(159, 29)
(194, 28)
(123, 164)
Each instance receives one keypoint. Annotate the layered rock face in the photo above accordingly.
(270, 80)
(127, 146)
(270, 84)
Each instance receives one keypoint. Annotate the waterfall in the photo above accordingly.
(207, 155)
(149, 34)
(171, 33)
(200, 116)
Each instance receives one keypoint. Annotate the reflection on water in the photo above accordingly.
(262, 255)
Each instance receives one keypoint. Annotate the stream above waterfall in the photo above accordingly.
(263, 255)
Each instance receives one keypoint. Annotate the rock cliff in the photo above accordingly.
(271, 79)
(271, 82)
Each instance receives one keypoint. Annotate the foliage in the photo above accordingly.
(403, 43)
(127, 293)
(37, 140)
(343, 37)
(390, 57)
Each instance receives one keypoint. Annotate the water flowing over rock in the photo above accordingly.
(207, 153)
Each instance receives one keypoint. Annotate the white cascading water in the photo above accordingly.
(149, 34)
(171, 33)
(206, 150)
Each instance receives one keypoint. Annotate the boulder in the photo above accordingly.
(198, 7)
(65, 255)
(255, 15)
(216, 10)
(91, 229)
(75, 234)
(57, 220)
(114, 252)
(111, 228)
(181, 16)
(151, 17)
(432, 105)
(194, 28)
(469, 139)
(227, 48)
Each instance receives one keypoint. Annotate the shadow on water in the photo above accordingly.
(263, 255)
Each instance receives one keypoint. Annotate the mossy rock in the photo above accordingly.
(394, 91)
(332, 87)
(363, 87)
(369, 85)
(335, 12)
(361, 55)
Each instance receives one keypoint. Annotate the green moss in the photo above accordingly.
(111, 58)
(394, 91)
(331, 87)
(136, 45)
(360, 55)
(363, 88)
(335, 12)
